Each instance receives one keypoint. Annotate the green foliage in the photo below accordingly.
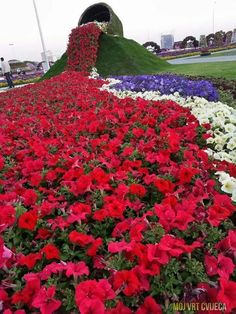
(154, 235)
(170, 281)
(103, 229)
(227, 98)
(69, 300)
(119, 262)
(169, 284)
(201, 142)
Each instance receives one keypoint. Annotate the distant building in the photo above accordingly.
(233, 39)
(202, 41)
(167, 41)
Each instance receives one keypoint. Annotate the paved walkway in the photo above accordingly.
(6, 89)
(198, 59)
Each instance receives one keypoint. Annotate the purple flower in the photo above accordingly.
(167, 84)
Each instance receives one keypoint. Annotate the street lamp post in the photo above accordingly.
(41, 36)
(213, 18)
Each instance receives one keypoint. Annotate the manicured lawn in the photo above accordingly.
(215, 69)
(224, 53)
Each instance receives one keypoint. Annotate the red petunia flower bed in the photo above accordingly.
(108, 205)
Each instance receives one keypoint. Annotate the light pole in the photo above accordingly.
(213, 18)
(41, 36)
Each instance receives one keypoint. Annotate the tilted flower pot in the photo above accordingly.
(102, 12)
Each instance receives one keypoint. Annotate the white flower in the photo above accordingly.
(232, 119)
(233, 198)
(232, 143)
(223, 176)
(230, 128)
(210, 140)
(228, 186)
(219, 147)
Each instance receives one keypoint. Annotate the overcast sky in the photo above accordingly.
(143, 20)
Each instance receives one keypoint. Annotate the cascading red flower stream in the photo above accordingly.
(83, 47)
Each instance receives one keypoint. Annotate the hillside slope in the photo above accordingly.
(117, 56)
(121, 56)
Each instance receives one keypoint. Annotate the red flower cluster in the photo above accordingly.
(83, 47)
(107, 208)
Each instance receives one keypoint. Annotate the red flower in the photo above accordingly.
(30, 260)
(80, 238)
(7, 217)
(45, 301)
(137, 189)
(15, 312)
(29, 197)
(127, 281)
(76, 270)
(27, 294)
(154, 253)
(52, 268)
(115, 247)
(164, 186)
(175, 247)
(43, 234)
(149, 307)
(216, 214)
(90, 296)
(138, 132)
(92, 250)
(114, 207)
(173, 215)
(1, 162)
(28, 220)
(82, 185)
(51, 251)
(3, 295)
(229, 243)
(227, 294)
(79, 211)
(223, 266)
(100, 176)
(36, 179)
(186, 174)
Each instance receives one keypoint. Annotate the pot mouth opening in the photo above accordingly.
(97, 12)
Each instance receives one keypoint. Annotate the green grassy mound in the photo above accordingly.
(121, 56)
(117, 56)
